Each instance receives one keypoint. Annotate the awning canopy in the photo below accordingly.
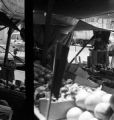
(5, 21)
(13, 8)
(81, 25)
(65, 24)
(61, 23)
(77, 8)
(11, 13)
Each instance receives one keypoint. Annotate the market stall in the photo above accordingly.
(57, 98)
(75, 101)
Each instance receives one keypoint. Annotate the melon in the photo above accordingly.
(73, 113)
(94, 99)
(112, 117)
(103, 111)
(106, 98)
(81, 97)
(86, 116)
(112, 102)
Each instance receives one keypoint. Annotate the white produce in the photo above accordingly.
(86, 116)
(103, 111)
(100, 92)
(106, 98)
(81, 97)
(94, 99)
(69, 97)
(61, 99)
(73, 113)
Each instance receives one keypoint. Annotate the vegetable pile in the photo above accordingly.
(90, 103)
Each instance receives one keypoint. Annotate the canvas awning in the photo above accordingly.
(84, 26)
(81, 25)
(59, 25)
(13, 8)
(11, 13)
(77, 8)
(65, 24)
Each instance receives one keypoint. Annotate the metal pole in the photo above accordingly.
(47, 33)
(6, 53)
(47, 36)
(7, 47)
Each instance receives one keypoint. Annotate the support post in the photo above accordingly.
(5, 69)
(7, 47)
(47, 29)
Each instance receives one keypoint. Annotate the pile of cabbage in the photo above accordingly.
(92, 105)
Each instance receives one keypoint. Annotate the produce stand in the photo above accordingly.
(56, 93)
(60, 93)
(59, 107)
(55, 97)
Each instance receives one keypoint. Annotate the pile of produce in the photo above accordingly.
(42, 81)
(41, 75)
(96, 105)
(90, 103)
(13, 86)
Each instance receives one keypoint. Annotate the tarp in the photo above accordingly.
(5, 21)
(65, 24)
(61, 23)
(13, 8)
(81, 25)
(59, 26)
(77, 8)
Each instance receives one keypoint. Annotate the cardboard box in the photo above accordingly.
(57, 111)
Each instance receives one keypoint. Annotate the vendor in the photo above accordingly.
(99, 44)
